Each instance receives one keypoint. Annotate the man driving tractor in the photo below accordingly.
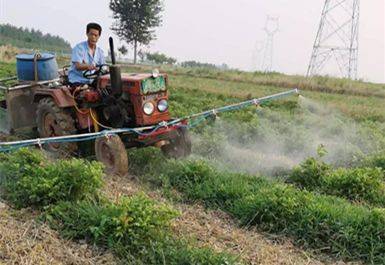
(86, 56)
(95, 97)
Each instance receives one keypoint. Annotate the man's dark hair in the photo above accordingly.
(94, 26)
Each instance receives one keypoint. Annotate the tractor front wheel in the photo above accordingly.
(55, 121)
(112, 153)
(180, 146)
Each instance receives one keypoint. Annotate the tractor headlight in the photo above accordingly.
(162, 105)
(148, 108)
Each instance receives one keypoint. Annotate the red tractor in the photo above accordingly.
(114, 101)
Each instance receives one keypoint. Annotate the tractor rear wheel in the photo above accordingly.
(180, 146)
(112, 153)
(55, 121)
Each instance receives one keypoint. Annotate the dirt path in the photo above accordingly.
(24, 241)
(219, 231)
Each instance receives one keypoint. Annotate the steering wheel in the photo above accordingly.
(101, 69)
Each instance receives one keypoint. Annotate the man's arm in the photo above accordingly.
(78, 59)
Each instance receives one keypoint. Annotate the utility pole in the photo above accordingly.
(337, 39)
(271, 28)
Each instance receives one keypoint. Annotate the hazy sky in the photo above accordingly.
(215, 31)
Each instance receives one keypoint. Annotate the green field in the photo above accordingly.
(308, 169)
(249, 163)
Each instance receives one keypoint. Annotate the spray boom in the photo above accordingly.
(244, 104)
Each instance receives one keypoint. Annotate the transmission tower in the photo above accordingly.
(271, 28)
(1, 10)
(257, 56)
(336, 42)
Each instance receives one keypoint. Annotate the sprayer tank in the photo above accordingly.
(36, 67)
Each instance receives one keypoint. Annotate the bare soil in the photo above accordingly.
(25, 241)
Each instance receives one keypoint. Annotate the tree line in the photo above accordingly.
(32, 39)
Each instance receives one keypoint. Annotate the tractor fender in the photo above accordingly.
(63, 99)
(61, 96)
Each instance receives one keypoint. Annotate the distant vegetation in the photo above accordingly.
(163, 59)
(32, 39)
(195, 64)
(159, 58)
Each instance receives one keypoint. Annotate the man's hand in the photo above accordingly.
(91, 67)
(85, 67)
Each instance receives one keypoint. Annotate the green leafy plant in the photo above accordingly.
(30, 179)
(339, 228)
(137, 229)
(375, 161)
(357, 184)
(310, 173)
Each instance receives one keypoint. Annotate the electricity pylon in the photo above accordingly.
(271, 28)
(337, 39)
(257, 56)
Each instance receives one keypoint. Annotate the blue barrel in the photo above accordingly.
(47, 68)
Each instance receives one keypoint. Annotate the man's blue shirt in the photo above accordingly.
(81, 54)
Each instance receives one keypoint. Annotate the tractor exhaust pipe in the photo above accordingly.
(115, 73)
(112, 50)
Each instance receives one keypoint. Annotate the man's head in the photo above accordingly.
(94, 31)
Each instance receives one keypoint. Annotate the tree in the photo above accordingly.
(135, 20)
(141, 55)
(32, 39)
(195, 64)
(123, 50)
(160, 58)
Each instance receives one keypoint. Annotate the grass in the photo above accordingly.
(322, 84)
(325, 223)
(67, 192)
(7, 69)
(359, 108)
(361, 101)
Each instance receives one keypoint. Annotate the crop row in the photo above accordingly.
(366, 184)
(326, 223)
(137, 229)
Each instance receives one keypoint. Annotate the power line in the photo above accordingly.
(337, 39)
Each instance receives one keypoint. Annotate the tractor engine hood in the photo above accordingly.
(139, 84)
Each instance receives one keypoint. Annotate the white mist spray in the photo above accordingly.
(277, 141)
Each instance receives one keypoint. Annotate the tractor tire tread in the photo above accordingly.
(64, 120)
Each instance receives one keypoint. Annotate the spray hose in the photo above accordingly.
(191, 121)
